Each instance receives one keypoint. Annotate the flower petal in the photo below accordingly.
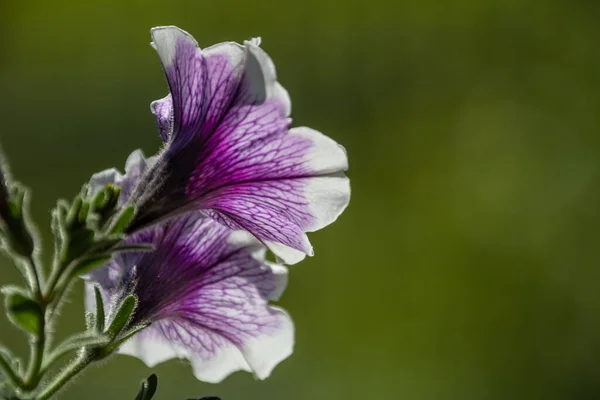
(135, 166)
(286, 187)
(186, 74)
(163, 110)
(230, 153)
(103, 178)
(206, 289)
(207, 85)
(213, 357)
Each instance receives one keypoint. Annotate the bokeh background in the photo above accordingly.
(467, 265)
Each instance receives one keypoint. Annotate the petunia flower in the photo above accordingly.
(229, 151)
(205, 289)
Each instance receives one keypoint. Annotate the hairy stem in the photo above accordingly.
(38, 343)
(79, 364)
(34, 277)
(10, 373)
(36, 359)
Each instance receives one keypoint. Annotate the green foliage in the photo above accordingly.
(148, 388)
(122, 221)
(15, 233)
(87, 233)
(122, 316)
(23, 311)
(99, 317)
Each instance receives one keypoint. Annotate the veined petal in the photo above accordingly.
(206, 290)
(230, 153)
(281, 189)
(206, 86)
(186, 74)
(163, 110)
(213, 355)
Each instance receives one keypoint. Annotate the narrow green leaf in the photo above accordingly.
(116, 344)
(59, 218)
(113, 194)
(84, 211)
(122, 221)
(9, 368)
(75, 342)
(99, 310)
(23, 311)
(122, 316)
(74, 211)
(148, 388)
(100, 199)
(16, 200)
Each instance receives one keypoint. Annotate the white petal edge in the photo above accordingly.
(165, 40)
(260, 69)
(281, 281)
(328, 196)
(103, 178)
(151, 350)
(287, 254)
(325, 156)
(258, 355)
(264, 353)
(136, 159)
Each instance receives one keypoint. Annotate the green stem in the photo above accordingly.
(38, 346)
(34, 277)
(52, 281)
(64, 377)
(38, 343)
(10, 373)
(59, 287)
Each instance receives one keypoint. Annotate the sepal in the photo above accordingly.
(15, 233)
(89, 229)
(122, 317)
(99, 317)
(148, 388)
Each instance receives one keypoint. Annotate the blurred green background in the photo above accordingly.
(466, 266)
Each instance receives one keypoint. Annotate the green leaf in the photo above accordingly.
(7, 392)
(75, 342)
(148, 388)
(122, 316)
(73, 215)
(116, 344)
(23, 311)
(84, 211)
(9, 368)
(100, 199)
(99, 310)
(122, 221)
(15, 233)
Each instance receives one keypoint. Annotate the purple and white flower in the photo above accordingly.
(205, 289)
(229, 151)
